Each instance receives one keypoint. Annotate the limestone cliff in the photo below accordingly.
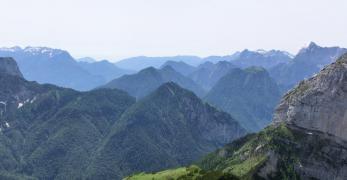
(319, 103)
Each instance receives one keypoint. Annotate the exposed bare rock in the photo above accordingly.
(319, 103)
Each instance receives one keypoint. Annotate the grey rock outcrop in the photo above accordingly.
(9, 66)
(319, 103)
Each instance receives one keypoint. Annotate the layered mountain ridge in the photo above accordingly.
(306, 63)
(208, 73)
(147, 80)
(58, 67)
(168, 128)
(306, 140)
(48, 132)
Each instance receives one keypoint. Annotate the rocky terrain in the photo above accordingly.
(319, 103)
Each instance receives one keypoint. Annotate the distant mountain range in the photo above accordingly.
(173, 114)
(207, 74)
(48, 132)
(61, 69)
(149, 79)
(200, 75)
(142, 62)
(307, 139)
(180, 66)
(108, 71)
(261, 58)
(242, 59)
(55, 66)
(306, 63)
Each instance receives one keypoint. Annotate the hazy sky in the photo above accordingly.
(115, 29)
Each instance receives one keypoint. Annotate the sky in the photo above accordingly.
(115, 29)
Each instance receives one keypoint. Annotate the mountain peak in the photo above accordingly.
(170, 89)
(310, 48)
(45, 51)
(9, 66)
(167, 68)
(264, 54)
(312, 45)
(148, 70)
(86, 59)
(170, 85)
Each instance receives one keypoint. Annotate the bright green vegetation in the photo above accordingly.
(186, 173)
(243, 158)
(163, 175)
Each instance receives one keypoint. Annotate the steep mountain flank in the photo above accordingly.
(47, 132)
(249, 95)
(168, 128)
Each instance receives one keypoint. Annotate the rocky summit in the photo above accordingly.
(9, 66)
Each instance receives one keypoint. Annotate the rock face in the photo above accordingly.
(319, 103)
(9, 66)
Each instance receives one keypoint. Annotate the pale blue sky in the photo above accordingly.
(115, 29)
